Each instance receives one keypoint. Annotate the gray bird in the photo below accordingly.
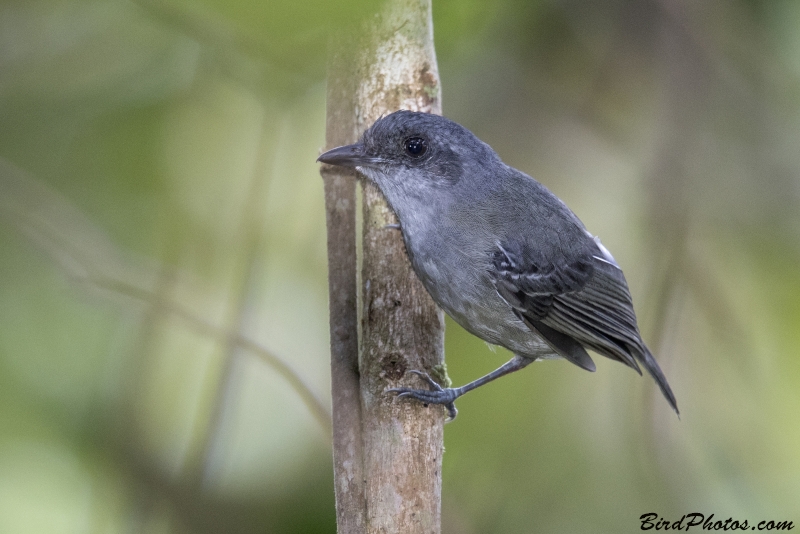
(500, 253)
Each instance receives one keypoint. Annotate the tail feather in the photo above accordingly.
(655, 371)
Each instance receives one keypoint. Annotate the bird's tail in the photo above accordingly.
(646, 357)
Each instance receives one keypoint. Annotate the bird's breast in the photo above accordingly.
(456, 275)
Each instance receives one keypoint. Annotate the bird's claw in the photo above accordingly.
(427, 378)
(436, 395)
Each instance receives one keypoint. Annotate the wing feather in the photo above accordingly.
(578, 299)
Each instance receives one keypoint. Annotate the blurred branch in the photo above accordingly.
(192, 509)
(715, 303)
(251, 232)
(703, 46)
(86, 255)
(684, 88)
(201, 326)
(671, 273)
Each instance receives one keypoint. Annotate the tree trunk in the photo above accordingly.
(394, 67)
(402, 328)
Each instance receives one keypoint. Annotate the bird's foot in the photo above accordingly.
(391, 227)
(436, 395)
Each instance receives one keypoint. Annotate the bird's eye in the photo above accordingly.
(416, 147)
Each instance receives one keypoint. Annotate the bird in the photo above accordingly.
(503, 256)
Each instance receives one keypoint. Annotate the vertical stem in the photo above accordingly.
(340, 205)
(402, 328)
(387, 454)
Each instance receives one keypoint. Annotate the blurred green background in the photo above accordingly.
(162, 240)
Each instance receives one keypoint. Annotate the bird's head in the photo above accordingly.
(414, 157)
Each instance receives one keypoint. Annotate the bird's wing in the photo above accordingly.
(574, 300)
(582, 296)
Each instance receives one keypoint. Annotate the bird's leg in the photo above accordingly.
(447, 396)
(391, 227)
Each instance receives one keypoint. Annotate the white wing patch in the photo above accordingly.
(607, 257)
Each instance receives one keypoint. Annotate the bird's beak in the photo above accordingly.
(349, 156)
